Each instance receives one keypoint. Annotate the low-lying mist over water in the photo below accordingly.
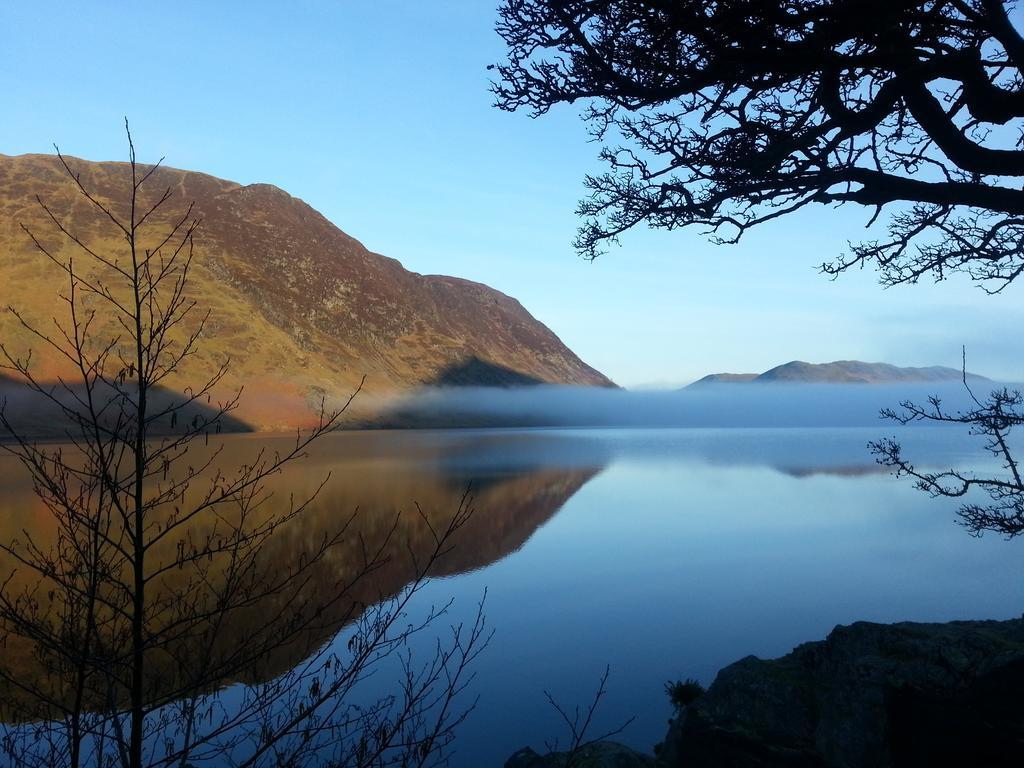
(712, 405)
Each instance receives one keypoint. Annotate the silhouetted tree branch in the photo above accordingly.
(730, 114)
(993, 418)
(580, 725)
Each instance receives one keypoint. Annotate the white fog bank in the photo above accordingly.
(724, 405)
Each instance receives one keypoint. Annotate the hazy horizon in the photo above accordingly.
(712, 406)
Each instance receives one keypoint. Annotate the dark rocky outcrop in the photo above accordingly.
(603, 754)
(871, 696)
(474, 372)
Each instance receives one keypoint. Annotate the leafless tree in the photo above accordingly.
(579, 726)
(992, 418)
(161, 552)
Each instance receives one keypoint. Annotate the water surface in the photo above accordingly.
(661, 553)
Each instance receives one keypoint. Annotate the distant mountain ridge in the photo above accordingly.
(302, 309)
(841, 372)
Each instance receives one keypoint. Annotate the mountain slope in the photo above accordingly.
(841, 372)
(302, 309)
(725, 378)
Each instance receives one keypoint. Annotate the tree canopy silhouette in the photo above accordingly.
(732, 113)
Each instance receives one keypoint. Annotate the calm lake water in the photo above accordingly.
(661, 553)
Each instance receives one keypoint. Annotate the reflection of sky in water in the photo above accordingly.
(694, 548)
(681, 551)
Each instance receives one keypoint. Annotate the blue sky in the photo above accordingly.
(378, 115)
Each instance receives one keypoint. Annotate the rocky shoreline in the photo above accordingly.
(868, 696)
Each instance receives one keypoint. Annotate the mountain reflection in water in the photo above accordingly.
(663, 553)
(383, 494)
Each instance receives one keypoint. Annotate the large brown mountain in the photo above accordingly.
(302, 309)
